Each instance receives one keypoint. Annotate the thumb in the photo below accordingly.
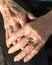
(30, 17)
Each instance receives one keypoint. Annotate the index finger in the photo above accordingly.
(16, 35)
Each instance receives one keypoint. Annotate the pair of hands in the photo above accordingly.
(19, 41)
(27, 37)
(19, 37)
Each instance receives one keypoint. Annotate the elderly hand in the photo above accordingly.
(15, 17)
(13, 24)
(30, 39)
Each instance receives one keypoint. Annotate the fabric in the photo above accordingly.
(46, 0)
(38, 7)
(43, 0)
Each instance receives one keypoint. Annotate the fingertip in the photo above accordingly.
(15, 59)
(9, 51)
(25, 60)
(7, 45)
(22, 48)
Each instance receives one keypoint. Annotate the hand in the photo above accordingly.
(14, 19)
(16, 25)
(28, 50)
(30, 47)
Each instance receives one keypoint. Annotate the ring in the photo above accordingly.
(34, 44)
(10, 28)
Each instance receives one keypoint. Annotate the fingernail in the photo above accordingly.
(25, 60)
(9, 51)
(16, 59)
(8, 46)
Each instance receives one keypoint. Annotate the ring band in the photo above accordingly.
(10, 29)
(34, 44)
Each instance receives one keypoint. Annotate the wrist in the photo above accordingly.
(48, 19)
(42, 28)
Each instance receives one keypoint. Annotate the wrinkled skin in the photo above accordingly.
(14, 16)
(37, 30)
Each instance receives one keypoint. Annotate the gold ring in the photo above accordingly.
(34, 44)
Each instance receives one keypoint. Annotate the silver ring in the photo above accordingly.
(10, 29)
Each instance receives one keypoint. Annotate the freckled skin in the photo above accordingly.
(10, 9)
(43, 25)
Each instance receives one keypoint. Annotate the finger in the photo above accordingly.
(6, 24)
(14, 27)
(23, 53)
(9, 42)
(32, 53)
(7, 35)
(18, 46)
(10, 34)
(39, 46)
(16, 35)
